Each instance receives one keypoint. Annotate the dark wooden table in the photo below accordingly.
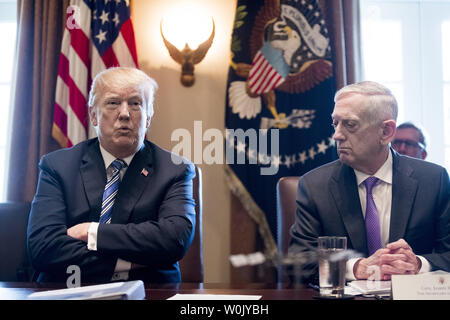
(21, 290)
(277, 301)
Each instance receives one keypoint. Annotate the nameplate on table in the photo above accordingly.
(428, 286)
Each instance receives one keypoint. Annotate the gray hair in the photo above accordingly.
(118, 77)
(382, 104)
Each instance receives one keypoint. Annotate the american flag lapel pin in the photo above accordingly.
(144, 172)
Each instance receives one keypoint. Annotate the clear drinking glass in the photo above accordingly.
(332, 265)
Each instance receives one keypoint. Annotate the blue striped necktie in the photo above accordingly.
(111, 188)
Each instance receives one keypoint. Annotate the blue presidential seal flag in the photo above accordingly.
(279, 102)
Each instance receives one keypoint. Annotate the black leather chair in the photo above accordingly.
(191, 266)
(286, 206)
(14, 262)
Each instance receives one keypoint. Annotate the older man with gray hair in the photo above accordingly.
(393, 209)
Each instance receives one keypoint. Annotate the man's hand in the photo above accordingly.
(396, 258)
(370, 268)
(406, 263)
(79, 231)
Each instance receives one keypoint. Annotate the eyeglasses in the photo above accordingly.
(409, 144)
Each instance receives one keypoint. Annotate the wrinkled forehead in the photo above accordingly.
(122, 81)
(129, 91)
(349, 106)
(120, 90)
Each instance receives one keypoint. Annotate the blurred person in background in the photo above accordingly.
(409, 140)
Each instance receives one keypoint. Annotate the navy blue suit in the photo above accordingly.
(152, 224)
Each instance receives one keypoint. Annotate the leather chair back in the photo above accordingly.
(191, 266)
(14, 262)
(286, 207)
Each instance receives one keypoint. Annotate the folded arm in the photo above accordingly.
(50, 248)
(163, 241)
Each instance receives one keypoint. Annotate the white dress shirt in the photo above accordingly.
(122, 267)
(382, 196)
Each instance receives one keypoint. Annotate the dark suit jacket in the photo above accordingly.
(328, 204)
(152, 220)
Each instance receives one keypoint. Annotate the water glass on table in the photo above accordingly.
(332, 266)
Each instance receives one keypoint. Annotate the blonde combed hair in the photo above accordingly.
(122, 77)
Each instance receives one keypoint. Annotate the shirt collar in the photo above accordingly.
(384, 173)
(108, 158)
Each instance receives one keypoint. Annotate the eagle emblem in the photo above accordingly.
(293, 40)
(187, 57)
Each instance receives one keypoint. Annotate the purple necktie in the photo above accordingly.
(372, 220)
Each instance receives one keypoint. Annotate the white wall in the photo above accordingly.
(178, 107)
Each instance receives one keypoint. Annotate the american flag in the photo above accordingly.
(99, 34)
(268, 70)
(144, 172)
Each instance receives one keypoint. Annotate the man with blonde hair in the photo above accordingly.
(116, 206)
(393, 209)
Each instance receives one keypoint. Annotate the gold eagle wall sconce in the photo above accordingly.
(188, 57)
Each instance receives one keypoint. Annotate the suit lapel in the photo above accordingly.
(132, 185)
(345, 192)
(93, 175)
(404, 190)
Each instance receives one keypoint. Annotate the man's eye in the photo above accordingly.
(349, 124)
(134, 104)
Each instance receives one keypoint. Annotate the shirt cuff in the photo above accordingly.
(426, 266)
(349, 272)
(92, 236)
(122, 266)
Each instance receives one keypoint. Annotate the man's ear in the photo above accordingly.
(93, 116)
(424, 154)
(389, 127)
